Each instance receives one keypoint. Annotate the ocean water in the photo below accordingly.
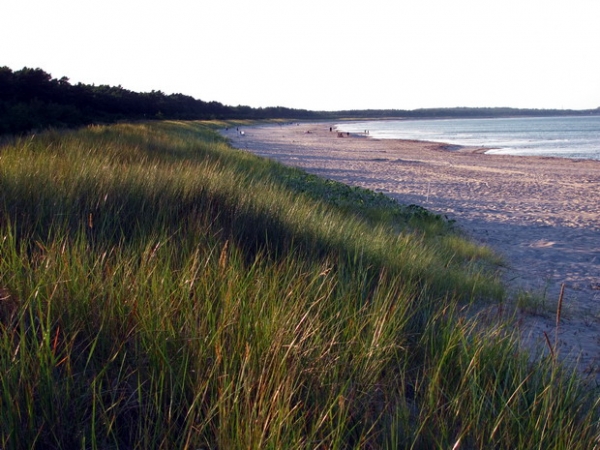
(566, 137)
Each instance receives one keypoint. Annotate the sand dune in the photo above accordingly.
(541, 214)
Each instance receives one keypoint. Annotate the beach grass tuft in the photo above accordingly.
(159, 289)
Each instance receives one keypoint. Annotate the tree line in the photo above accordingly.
(31, 99)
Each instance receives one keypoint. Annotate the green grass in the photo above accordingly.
(159, 289)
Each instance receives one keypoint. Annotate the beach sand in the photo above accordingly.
(542, 215)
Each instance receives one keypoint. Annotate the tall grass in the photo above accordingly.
(159, 289)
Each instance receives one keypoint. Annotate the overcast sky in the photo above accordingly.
(319, 54)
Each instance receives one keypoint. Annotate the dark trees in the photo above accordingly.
(31, 99)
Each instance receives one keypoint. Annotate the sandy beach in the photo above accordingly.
(541, 214)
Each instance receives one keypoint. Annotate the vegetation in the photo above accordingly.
(159, 289)
(30, 99)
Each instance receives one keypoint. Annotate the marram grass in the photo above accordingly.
(159, 289)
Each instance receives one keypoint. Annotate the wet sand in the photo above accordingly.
(541, 214)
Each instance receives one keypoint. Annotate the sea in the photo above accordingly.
(575, 137)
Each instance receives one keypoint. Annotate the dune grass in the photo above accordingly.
(159, 289)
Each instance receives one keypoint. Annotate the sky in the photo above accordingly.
(322, 55)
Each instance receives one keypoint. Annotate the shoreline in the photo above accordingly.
(467, 148)
(541, 214)
(517, 145)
